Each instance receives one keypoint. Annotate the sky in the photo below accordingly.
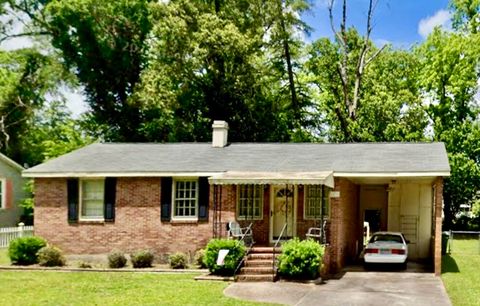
(402, 23)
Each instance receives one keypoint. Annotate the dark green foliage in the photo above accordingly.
(23, 251)
(116, 260)
(50, 256)
(27, 204)
(105, 43)
(26, 76)
(142, 259)
(235, 255)
(199, 259)
(300, 259)
(178, 260)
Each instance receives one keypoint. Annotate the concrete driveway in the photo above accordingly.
(353, 288)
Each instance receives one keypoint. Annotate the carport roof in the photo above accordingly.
(196, 159)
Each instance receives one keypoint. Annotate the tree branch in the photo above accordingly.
(362, 62)
(377, 53)
(342, 39)
(25, 34)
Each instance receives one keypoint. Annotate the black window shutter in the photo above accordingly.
(203, 198)
(166, 199)
(72, 196)
(109, 198)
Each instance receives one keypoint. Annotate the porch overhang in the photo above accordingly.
(273, 178)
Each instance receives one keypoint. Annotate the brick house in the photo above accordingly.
(176, 197)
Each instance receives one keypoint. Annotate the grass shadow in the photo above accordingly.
(449, 265)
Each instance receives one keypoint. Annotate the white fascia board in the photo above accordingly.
(115, 174)
(390, 174)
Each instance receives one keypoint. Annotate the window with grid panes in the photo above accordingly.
(185, 202)
(250, 202)
(313, 201)
(316, 202)
(92, 195)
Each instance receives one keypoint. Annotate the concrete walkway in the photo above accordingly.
(353, 288)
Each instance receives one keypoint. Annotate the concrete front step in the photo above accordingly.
(261, 256)
(258, 266)
(255, 278)
(257, 270)
(265, 250)
(259, 263)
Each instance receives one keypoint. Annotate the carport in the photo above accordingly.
(410, 203)
(401, 205)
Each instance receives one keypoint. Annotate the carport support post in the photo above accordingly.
(437, 252)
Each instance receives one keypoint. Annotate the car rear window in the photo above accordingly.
(387, 238)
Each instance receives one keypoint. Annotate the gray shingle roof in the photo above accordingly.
(270, 157)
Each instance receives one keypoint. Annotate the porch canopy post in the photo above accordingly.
(217, 209)
(286, 209)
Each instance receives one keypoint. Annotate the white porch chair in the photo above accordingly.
(314, 232)
(317, 233)
(235, 231)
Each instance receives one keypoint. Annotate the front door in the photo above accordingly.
(283, 211)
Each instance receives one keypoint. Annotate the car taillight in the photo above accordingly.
(398, 251)
(371, 251)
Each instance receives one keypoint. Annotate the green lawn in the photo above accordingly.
(4, 260)
(460, 272)
(110, 288)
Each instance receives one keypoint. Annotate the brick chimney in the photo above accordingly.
(220, 134)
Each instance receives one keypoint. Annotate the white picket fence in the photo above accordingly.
(7, 234)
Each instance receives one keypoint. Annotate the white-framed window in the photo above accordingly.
(316, 202)
(92, 193)
(3, 193)
(185, 198)
(250, 202)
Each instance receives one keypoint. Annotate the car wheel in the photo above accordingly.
(404, 266)
(367, 266)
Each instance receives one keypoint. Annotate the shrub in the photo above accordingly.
(142, 259)
(233, 258)
(50, 256)
(300, 259)
(23, 251)
(178, 260)
(199, 258)
(116, 260)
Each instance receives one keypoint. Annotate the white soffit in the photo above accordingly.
(116, 174)
(264, 178)
(390, 174)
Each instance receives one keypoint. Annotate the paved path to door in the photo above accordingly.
(354, 288)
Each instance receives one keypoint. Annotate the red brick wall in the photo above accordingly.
(437, 252)
(137, 221)
(343, 226)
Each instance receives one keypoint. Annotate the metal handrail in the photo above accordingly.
(249, 230)
(274, 263)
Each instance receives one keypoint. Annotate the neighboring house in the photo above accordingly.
(176, 197)
(11, 191)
